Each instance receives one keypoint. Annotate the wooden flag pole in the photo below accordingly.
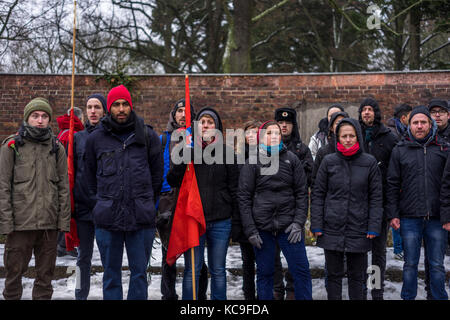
(73, 54)
(193, 274)
(188, 124)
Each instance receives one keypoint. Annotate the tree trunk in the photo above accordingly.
(414, 42)
(213, 35)
(240, 61)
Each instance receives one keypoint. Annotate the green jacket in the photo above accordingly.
(34, 188)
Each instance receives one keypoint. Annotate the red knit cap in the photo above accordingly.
(116, 93)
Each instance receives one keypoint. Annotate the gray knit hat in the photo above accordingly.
(37, 104)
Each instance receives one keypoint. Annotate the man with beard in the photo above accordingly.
(379, 142)
(124, 170)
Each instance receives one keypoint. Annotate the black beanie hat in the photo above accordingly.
(420, 109)
(101, 98)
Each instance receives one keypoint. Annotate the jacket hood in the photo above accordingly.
(210, 110)
(376, 108)
(358, 130)
(64, 123)
(334, 116)
(434, 130)
(172, 125)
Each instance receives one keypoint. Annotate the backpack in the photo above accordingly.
(19, 142)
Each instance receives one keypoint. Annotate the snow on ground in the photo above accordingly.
(64, 288)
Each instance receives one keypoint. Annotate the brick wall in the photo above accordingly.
(238, 98)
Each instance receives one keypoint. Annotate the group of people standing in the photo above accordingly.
(356, 178)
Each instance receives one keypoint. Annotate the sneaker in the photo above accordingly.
(398, 256)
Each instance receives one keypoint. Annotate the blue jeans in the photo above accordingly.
(397, 240)
(86, 233)
(217, 236)
(295, 254)
(138, 245)
(413, 231)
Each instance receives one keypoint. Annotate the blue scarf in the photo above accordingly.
(401, 128)
(270, 149)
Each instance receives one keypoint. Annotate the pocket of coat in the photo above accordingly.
(145, 211)
(103, 212)
(22, 173)
(108, 164)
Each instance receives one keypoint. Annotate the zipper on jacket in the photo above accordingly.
(426, 184)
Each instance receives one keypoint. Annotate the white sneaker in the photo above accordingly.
(399, 256)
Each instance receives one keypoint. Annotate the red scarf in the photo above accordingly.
(350, 151)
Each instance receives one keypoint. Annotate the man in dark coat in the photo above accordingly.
(85, 201)
(439, 111)
(413, 191)
(379, 142)
(124, 169)
(399, 123)
(287, 119)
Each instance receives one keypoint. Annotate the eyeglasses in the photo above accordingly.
(441, 112)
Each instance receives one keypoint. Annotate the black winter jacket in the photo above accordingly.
(445, 194)
(445, 134)
(414, 178)
(217, 183)
(272, 202)
(381, 144)
(346, 201)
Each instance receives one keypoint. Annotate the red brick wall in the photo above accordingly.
(238, 98)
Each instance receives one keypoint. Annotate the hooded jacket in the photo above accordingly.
(124, 175)
(414, 177)
(346, 201)
(217, 182)
(272, 202)
(167, 144)
(34, 187)
(64, 126)
(330, 147)
(382, 139)
(294, 144)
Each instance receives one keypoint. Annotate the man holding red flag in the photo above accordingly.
(167, 204)
(205, 205)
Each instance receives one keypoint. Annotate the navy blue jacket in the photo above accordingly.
(414, 178)
(84, 201)
(124, 177)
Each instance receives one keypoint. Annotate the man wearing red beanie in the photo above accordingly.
(124, 169)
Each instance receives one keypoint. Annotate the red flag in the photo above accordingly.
(189, 221)
(71, 236)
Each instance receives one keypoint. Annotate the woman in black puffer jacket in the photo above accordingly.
(273, 203)
(346, 209)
